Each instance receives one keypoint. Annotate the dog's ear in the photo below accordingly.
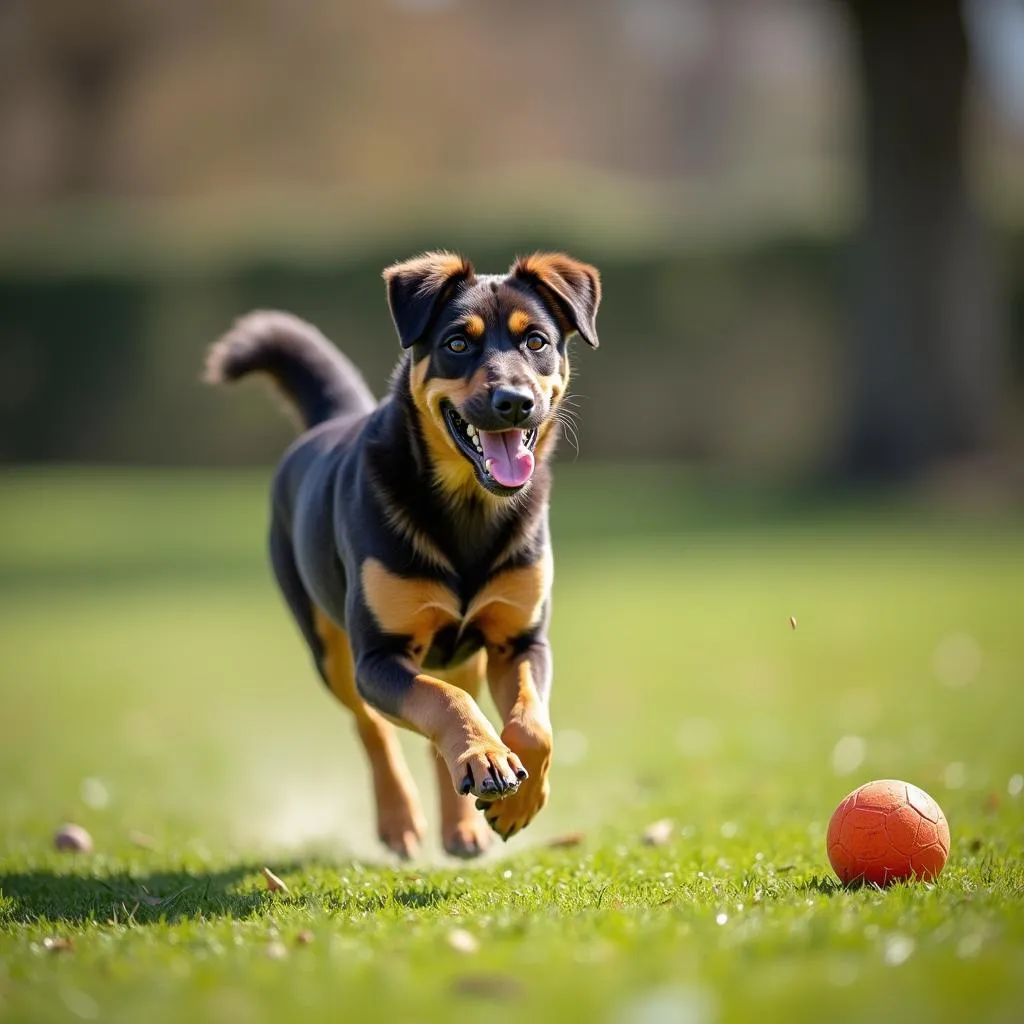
(575, 288)
(417, 287)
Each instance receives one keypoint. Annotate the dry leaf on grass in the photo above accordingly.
(274, 884)
(58, 944)
(567, 841)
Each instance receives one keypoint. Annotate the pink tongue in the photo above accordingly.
(511, 462)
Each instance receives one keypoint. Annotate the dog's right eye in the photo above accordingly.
(457, 343)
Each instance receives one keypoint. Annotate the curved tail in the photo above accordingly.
(315, 378)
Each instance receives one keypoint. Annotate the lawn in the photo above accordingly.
(153, 691)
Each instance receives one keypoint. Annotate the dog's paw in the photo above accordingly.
(466, 838)
(400, 827)
(489, 771)
(532, 742)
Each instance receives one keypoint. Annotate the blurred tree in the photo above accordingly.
(87, 52)
(927, 332)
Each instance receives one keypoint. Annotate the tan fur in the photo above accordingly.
(506, 606)
(527, 731)
(518, 321)
(511, 602)
(464, 832)
(416, 608)
(474, 326)
(549, 266)
(433, 268)
(453, 471)
(456, 390)
(464, 738)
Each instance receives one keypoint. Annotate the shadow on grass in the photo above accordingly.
(170, 896)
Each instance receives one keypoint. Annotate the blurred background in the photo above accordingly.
(789, 550)
(807, 403)
(809, 215)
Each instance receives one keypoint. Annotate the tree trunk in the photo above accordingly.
(927, 334)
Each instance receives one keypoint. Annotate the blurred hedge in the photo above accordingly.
(729, 353)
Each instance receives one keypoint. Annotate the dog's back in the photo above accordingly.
(331, 401)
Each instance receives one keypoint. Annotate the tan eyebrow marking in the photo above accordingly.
(475, 326)
(518, 321)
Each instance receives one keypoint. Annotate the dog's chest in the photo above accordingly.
(427, 610)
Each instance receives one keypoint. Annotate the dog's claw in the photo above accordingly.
(489, 775)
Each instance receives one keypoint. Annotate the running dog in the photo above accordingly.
(409, 536)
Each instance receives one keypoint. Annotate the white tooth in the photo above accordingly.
(487, 466)
(471, 430)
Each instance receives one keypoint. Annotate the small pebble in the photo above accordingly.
(58, 944)
(658, 833)
(305, 937)
(73, 839)
(499, 987)
(462, 941)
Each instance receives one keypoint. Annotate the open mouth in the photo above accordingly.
(503, 459)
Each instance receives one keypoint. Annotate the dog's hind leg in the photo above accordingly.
(464, 832)
(400, 822)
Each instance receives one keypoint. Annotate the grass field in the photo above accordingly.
(153, 690)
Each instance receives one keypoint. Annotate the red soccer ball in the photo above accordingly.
(887, 831)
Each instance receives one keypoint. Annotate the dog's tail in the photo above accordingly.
(314, 377)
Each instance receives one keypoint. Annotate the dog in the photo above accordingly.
(410, 537)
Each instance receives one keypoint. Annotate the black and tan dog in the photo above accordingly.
(410, 536)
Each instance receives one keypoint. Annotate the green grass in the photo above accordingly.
(142, 647)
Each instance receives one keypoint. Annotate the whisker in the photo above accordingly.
(566, 417)
(570, 431)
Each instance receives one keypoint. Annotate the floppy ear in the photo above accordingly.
(416, 288)
(575, 288)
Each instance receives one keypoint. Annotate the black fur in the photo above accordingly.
(316, 378)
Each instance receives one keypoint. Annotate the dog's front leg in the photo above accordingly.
(520, 684)
(479, 762)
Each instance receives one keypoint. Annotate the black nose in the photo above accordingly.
(513, 405)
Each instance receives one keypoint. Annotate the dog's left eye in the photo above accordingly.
(457, 344)
(535, 341)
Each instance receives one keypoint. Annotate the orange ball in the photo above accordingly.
(887, 831)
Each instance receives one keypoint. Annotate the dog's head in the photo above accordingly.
(490, 365)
